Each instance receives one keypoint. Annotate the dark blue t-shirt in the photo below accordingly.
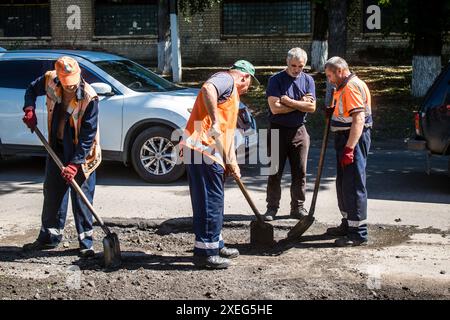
(281, 84)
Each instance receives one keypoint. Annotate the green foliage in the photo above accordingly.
(188, 8)
(414, 17)
(324, 2)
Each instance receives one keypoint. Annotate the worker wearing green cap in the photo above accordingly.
(246, 67)
(209, 154)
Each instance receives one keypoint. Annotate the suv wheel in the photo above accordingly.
(154, 156)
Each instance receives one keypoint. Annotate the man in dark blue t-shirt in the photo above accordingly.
(291, 94)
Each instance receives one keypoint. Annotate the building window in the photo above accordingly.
(266, 17)
(26, 18)
(126, 18)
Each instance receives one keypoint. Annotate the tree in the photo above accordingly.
(425, 23)
(319, 46)
(163, 37)
(188, 8)
(337, 35)
(337, 25)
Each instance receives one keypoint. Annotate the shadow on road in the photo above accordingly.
(131, 260)
(134, 260)
(391, 175)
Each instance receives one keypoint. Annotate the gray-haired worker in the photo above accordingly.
(291, 94)
(351, 122)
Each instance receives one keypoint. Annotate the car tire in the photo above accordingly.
(144, 146)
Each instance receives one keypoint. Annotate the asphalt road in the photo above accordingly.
(400, 192)
(400, 262)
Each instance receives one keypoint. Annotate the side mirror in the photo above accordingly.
(102, 89)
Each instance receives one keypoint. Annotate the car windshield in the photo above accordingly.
(136, 77)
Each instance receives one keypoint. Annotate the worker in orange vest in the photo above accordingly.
(209, 154)
(72, 123)
(351, 122)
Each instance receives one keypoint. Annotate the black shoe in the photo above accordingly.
(86, 253)
(229, 253)
(347, 242)
(270, 214)
(298, 213)
(339, 231)
(37, 246)
(211, 262)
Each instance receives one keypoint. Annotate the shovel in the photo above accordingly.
(111, 246)
(261, 232)
(306, 222)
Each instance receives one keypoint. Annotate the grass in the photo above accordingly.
(392, 104)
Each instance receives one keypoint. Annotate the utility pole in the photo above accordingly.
(175, 39)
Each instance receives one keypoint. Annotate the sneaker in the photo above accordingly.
(298, 213)
(339, 231)
(86, 253)
(347, 242)
(229, 253)
(270, 214)
(211, 262)
(37, 246)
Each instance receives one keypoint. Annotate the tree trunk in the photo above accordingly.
(175, 39)
(319, 54)
(425, 71)
(337, 24)
(164, 46)
(426, 63)
(319, 47)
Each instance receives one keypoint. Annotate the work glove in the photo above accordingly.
(347, 157)
(30, 118)
(69, 172)
(231, 169)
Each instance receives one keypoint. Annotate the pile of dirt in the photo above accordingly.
(157, 265)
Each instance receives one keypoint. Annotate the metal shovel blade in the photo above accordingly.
(305, 222)
(300, 228)
(111, 251)
(261, 233)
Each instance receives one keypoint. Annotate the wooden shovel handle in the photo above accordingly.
(247, 197)
(73, 183)
(321, 162)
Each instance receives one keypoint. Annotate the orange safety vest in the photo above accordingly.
(354, 96)
(195, 135)
(76, 108)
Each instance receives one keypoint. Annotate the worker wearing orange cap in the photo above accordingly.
(72, 110)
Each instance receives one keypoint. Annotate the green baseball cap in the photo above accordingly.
(247, 67)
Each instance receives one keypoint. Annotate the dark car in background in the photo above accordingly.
(432, 121)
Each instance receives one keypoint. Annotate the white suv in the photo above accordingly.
(139, 110)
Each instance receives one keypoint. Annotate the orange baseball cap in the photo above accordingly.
(68, 71)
